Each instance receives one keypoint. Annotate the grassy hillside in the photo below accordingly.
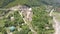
(41, 21)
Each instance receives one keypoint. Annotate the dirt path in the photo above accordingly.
(26, 19)
(51, 12)
(28, 23)
(56, 24)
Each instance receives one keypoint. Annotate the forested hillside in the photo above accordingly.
(55, 3)
(4, 3)
(10, 3)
